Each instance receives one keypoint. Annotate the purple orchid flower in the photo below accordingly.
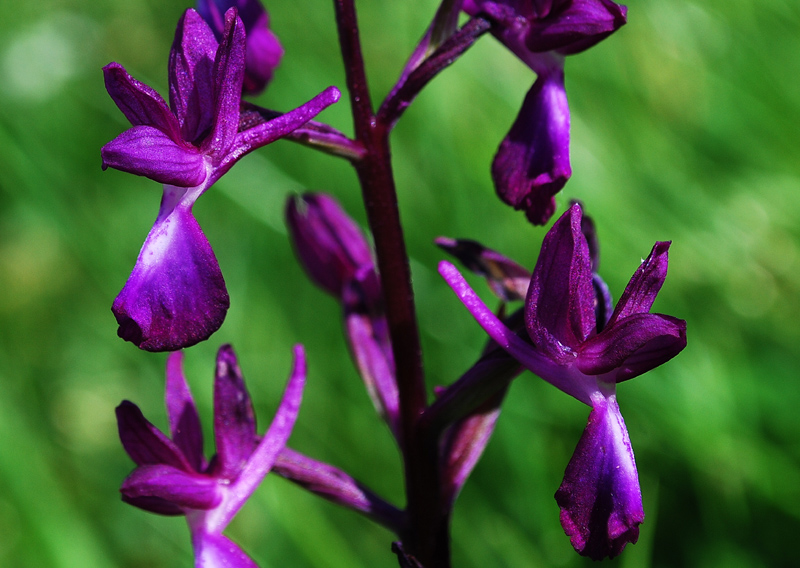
(337, 257)
(329, 244)
(532, 163)
(176, 296)
(585, 352)
(263, 53)
(172, 476)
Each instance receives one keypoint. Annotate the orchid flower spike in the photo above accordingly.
(263, 51)
(176, 296)
(172, 477)
(532, 163)
(578, 347)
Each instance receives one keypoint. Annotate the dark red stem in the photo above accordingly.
(426, 536)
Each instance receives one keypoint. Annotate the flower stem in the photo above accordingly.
(426, 535)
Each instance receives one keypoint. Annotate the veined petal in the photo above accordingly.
(139, 103)
(184, 489)
(145, 443)
(184, 422)
(212, 550)
(149, 152)
(175, 296)
(600, 500)
(234, 419)
(560, 308)
(577, 26)
(644, 285)
(228, 77)
(532, 163)
(191, 75)
(633, 346)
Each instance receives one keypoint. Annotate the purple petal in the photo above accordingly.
(154, 505)
(465, 443)
(532, 163)
(443, 26)
(600, 500)
(644, 285)
(560, 308)
(507, 279)
(184, 422)
(328, 243)
(217, 551)
(336, 486)
(184, 489)
(575, 25)
(529, 356)
(267, 132)
(234, 419)
(228, 77)
(263, 458)
(191, 76)
(175, 296)
(633, 346)
(139, 103)
(368, 337)
(145, 443)
(604, 305)
(263, 53)
(147, 151)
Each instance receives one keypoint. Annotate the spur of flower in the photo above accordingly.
(176, 296)
(173, 477)
(574, 343)
(532, 163)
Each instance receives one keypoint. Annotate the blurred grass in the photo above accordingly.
(685, 127)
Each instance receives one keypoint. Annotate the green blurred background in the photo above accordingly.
(685, 127)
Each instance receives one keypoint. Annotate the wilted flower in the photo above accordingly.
(172, 476)
(263, 53)
(532, 163)
(176, 295)
(583, 351)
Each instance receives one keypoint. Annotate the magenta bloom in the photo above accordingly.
(573, 343)
(329, 244)
(176, 296)
(172, 476)
(532, 163)
(263, 53)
